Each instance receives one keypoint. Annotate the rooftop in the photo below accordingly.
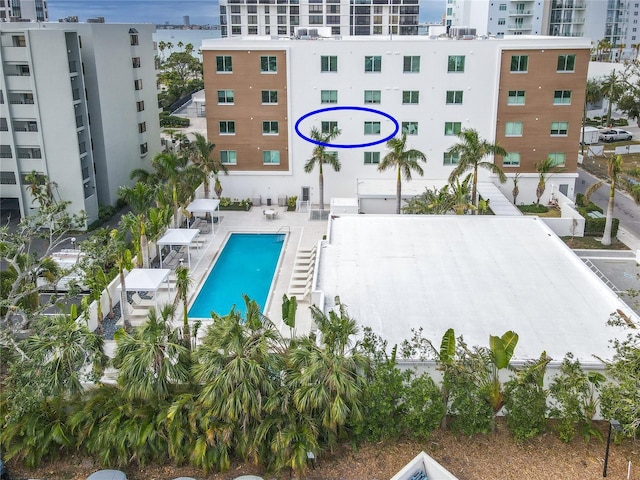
(480, 275)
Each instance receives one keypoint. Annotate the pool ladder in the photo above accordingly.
(282, 230)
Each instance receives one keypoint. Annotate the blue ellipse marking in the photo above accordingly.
(346, 145)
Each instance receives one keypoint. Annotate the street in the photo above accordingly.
(625, 207)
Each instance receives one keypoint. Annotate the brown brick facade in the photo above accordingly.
(247, 111)
(539, 83)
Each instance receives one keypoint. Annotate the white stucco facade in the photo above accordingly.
(479, 85)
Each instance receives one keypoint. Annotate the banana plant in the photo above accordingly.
(500, 353)
(289, 307)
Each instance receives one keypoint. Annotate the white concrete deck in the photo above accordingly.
(481, 275)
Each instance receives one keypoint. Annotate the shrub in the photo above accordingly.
(291, 203)
(595, 226)
(533, 208)
(424, 407)
(588, 207)
(471, 414)
(171, 121)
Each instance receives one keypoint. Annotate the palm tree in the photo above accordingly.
(180, 44)
(544, 170)
(516, 190)
(611, 90)
(593, 93)
(462, 195)
(97, 281)
(202, 149)
(471, 149)
(162, 45)
(620, 47)
(181, 179)
(183, 284)
(320, 157)
(140, 197)
(404, 161)
(123, 262)
(614, 169)
(151, 361)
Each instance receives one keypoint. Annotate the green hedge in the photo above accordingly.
(172, 121)
(585, 208)
(594, 227)
(533, 208)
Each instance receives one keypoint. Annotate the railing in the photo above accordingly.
(182, 101)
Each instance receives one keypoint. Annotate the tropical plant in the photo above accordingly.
(612, 89)
(432, 201)
(471, 150)
(574, 400)
(289, 308)
(516, 190)
(151, 361)
(122, 258)
(209, 164)
(424, 408)
(525, 400)
(404, 161)
(183, 284)
(614, 170)
(321, 157)
(544, 169)
(462, 196)
(140, 197)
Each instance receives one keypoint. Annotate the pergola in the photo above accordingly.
(205, 205)
(183, 237)
(147, 280)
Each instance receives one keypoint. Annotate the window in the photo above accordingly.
(454, 97)
(224, 64)
(559, 128)
(516, 97)
(450, 158)
(142, 127)
(225, 96)
(144, 148)
(328, 63)
(566, 63)
(501, 21)
(7, 178)
(133, 39)
(228, 157)
(410, 97)
(313, 9)
(411, 64)
(270, 128)
(270, 96)
(137, 84)
(140, 106)
(557, 159)
(372, 96)
(502, 7)
(136, 62)
(328, 127)
(268, 64)
(410, 128)
(512, 159)
(329, 96)
(315, 20)
(452, 128)
(18, 41)
(227, 127)
(519, 63)
(371, 158)
(371, 128)
(372, 64)
(271, 157)
(513, 129)
(455, 63)
(562, 97)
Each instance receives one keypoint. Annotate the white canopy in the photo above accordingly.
(146, 280)
(205, 205)
(179, 237)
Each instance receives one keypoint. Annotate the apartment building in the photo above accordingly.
(526, 93)
(612, 20)
(24, 11)
(78, 103)
(339, 17)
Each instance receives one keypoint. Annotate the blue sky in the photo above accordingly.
(161, 11)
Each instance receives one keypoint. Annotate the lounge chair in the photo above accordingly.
(138, 301)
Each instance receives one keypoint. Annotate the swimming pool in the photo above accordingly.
(246, 265)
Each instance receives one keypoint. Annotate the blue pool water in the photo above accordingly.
(245, 265)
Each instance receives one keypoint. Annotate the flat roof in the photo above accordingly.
(481, 275)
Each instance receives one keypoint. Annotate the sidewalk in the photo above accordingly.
(628, 239)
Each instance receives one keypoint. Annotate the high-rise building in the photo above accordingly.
(78, 103)
(338, 17)
(24, 11)
(265, 95)
(613, 20)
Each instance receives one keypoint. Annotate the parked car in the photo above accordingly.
(615, 135)
(107, 475)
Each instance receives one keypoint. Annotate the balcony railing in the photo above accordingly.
(521, 12)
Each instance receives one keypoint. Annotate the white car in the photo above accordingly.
(615, 135)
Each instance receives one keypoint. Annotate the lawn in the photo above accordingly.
(593, 243)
